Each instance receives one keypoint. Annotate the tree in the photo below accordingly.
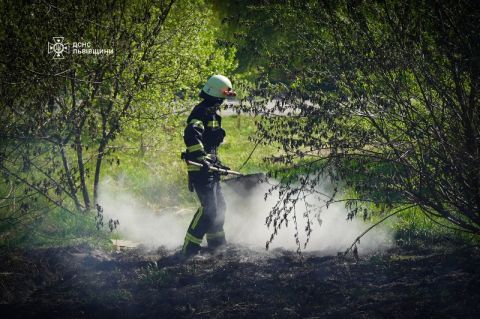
(60, 116)
(380, 96)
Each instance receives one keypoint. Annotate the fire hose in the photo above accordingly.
(216, 169)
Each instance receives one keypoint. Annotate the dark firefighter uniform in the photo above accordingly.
(203, 135)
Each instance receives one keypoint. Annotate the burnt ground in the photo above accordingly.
(80, 282)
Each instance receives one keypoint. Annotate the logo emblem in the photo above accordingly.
(58, 48)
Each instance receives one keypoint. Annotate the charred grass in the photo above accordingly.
(79, 282)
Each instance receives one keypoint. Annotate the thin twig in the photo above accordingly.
(251, 153)
(374, 225)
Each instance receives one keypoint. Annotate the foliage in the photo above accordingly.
(61, 117)
(384, 95)
(381, 98)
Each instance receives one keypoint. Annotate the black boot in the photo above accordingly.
(190, 249)
(216, 241)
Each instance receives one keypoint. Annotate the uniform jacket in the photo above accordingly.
(203, 134)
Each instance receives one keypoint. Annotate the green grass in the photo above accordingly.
(153, 275)
(60, 228)
(237, 145)
(413, 226)
(56, 228)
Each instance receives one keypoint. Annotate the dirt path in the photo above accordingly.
(76, 282)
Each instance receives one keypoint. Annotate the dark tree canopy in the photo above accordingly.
(383, 96)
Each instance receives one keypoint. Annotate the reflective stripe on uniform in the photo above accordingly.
(195, 147)
(193, 239)
(215, 235)
(213, 124)
(196, 123)
(201, 158)
(197, 217)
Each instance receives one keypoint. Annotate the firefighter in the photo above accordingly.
(202, 136)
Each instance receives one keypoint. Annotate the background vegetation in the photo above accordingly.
(379, 97)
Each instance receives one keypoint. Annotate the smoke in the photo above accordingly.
(140, 223)
(245, 223)
(332, 232)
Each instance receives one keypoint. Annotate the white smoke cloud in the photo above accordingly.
(245, 223)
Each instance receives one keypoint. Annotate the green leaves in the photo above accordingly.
(384, 85)
(161, 53)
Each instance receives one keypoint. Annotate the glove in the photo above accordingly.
(212, 158)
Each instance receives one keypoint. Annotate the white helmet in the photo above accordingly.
(219, 86)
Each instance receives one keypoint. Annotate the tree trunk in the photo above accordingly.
(78, 146)
(81, 170)
(98, 166)
(71, 185)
